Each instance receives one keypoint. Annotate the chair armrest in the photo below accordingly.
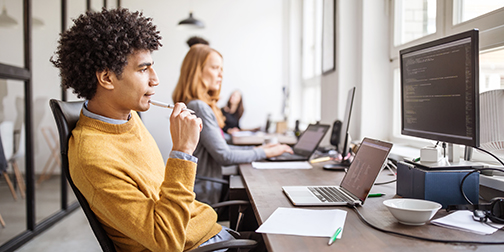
(239, 243)
(230, 203)
(216, 180)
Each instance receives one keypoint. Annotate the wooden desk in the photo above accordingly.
(264, 188)
(258, 139)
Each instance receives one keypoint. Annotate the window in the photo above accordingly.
(491, 70)
(464, 10)
(418, 21)
(312, 38)
(311, 60)
(413, 19)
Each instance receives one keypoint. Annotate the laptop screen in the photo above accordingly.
(310, 139)
(365, 167)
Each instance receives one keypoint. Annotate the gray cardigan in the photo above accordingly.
(213, 152)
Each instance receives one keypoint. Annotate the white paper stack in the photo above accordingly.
(304, 222)
(463, 220)
(282, 165)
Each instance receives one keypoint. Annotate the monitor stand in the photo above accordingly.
(342, 166)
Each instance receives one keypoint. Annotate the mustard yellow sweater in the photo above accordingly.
(143, 205)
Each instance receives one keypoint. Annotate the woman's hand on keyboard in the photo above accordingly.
(273, 150)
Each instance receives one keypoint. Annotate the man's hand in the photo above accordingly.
(273, 150)
(185, 129)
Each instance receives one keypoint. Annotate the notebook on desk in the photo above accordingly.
(306, 145)
(355, 186)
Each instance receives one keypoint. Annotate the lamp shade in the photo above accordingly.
(5, 20)
(191, 23)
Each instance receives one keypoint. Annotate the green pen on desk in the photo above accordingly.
(374, 195)
(333, 238)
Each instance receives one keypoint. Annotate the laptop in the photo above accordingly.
(355, 186)
(306, 145)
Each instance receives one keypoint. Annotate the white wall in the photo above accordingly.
(376, 87)
(361, 61)
(335, 85)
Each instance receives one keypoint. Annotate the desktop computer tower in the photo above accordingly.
(442, 186)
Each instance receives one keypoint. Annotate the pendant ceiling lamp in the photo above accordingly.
(190, 23)
(5, 19)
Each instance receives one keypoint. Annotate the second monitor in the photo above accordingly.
(343, 146)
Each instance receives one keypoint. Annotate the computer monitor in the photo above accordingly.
(344, 146)
(439, 90)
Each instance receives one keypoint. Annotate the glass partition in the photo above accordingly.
(33, 193)
(12, 182)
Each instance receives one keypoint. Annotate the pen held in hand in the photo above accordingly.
(335, 235)
(165, 105)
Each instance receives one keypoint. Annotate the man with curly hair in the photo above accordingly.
(142, 203)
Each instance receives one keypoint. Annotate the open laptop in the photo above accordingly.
(355, 186)
(306, 145)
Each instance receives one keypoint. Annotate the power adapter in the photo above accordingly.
(430, 154)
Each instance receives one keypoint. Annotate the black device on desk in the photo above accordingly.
(306, 145)
(340, 137)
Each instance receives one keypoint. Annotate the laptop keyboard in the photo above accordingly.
(288, 156)
(329, 194)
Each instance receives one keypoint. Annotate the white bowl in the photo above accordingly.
(412, 211)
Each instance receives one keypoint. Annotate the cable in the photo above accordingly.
(419, 237)
(384, 183)
(492, 226)
(444, 149)
(489, 153)
(389, 166)
(467, 175)
(392, 167)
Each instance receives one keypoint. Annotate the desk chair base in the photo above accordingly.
(19, 178)
(2, 221)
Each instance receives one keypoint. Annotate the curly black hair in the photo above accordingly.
(101, 41)
(196, 40)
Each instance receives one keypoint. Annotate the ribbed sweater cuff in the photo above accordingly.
(180, 170)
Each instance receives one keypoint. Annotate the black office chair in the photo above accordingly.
(66, 115)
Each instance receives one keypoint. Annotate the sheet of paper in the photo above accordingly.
(304, 222)
(282, 165)
(462, 220)
(243, 133)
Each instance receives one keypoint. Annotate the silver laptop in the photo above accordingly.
(355, 186)
(306, 145)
